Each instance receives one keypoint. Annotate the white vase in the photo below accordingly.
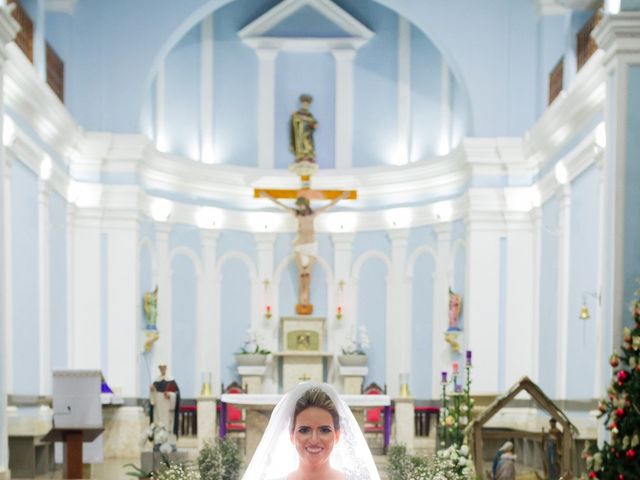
(250, 359)
(352, 360)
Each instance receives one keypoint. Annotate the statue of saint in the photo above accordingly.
(164, 394)
(305, 247)
(150, 306)
(302, 125)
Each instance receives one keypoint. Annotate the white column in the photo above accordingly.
(86, 289)
(564, 245)
(124, 299)
(8, 30)
(70, 220)
(163, 345)
(404, 91)
(207, 150)
(398, 325)
(440, 351)
(208, 332)
(265, 296)
(345, 293)
(536, 220)
(482, 314)
(601, 347)
(160, 130)
(264, 244)
(7, 263)
(44, 287)
(519, 292)
(266, 106)
(344, 107)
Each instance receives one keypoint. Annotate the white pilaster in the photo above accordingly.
(163, 346)
(6, 295)
(519, 292)
(266, 106)
(601, 347)
(124, 300)
(208, 339)
(444, 278)
(85, 290)
(404, 91)
(398, 325)
(70, 220)
(536, 219)
(8, 30)
(345, 296)
(266, 293)
(445, 109)
(564, 245)
(344, 107)
(44, 287)
(160, 126)
(207, 150)
(482, 314)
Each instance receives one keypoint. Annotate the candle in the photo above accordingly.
(455, 367)
(468, 358)
(444, 377)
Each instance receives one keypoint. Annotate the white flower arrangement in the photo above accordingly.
(158, 435)
(450, 464)
(357, 344)
(176, 471)
(252, 344)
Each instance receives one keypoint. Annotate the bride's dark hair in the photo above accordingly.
(318, 398)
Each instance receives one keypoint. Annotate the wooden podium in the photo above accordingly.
(72, 439)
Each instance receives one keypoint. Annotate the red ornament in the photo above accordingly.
(621, 477)
(623, 376)
(631, 454)
(592, 474)
(611, 426)
(614, 361)
(620, 412)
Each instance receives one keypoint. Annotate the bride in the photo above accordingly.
(312, 435)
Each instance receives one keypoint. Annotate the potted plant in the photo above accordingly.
(252, 353)
(353, 352)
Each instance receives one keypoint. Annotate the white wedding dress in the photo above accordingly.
(276, 455)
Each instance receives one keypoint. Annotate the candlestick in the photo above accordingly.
(444, 377)
(455, 368)
(468, 358)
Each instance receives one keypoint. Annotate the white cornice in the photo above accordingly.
(9, 27)
(618, 34)
(309, 45)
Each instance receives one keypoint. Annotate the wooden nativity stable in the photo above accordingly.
(474, 430)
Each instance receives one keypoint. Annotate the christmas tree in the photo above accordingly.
(619, 459)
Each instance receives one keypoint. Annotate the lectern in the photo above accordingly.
(77, 415)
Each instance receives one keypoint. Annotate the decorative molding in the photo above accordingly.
(260, 26)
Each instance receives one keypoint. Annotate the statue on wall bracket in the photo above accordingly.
(453, 331)
(150, 307)
(305, 247)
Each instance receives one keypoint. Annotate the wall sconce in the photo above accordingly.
(584, 310)
(267, 312)
(339, 313)
(267, 308)
(340, 298)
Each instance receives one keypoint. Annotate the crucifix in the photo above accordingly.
(305, 247)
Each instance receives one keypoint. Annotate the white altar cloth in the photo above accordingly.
(267, 399)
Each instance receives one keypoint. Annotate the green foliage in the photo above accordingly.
(220, 461)
(619, 459)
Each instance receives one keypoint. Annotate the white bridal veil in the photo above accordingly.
(276, 455)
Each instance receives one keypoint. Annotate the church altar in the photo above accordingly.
(266, 402)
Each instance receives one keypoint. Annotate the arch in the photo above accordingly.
(411, 263)
(181, 250)
(212, 5)
(243, 257)
(355, 271)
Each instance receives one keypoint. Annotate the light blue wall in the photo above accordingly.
(24, 257)
(184, 301)
(583, 278)
(58, 281)
(422, 327)
(550, 51)
(307, 22)
(312, 73)
(235, 317)
(183, 235)
(235, 88)
(548, 297)
(234, 240)
(372, 313)
(182, 96)
(632, 196)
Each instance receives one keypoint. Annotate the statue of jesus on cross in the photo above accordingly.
(305, 247)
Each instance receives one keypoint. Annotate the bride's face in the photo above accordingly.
(314, 435)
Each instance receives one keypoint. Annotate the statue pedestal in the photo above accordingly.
(207, 413)
(404, 422)
(252, 377)
(352, 379)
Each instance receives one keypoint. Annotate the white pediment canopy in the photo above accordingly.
(276, 30)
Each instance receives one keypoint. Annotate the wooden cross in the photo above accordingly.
(304, 377)
(306, 191)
